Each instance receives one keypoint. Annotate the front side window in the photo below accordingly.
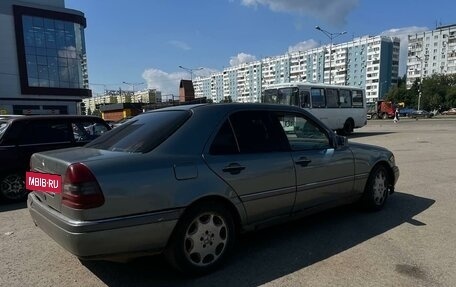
(304, 99)
(87, 130)
(302, 133)
(3, 126)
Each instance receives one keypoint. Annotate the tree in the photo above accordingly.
(227, 100)
(96, 113)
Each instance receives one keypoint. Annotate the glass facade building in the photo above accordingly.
(54, 52)
(51, 51)
(43, 61)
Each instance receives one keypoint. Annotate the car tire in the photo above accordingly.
(347, 129)
(202, 239)
(377, 189)
(12, 187)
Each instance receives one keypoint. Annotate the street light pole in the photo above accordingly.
(421, 80)
(331, 37)
(132, 85)
(190, 70)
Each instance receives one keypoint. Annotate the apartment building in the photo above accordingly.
(368, 62)
(147, 96)
(43, 63)
(431, 52)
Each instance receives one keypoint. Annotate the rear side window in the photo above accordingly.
(46, 131)
(142, 133)
(256, 132)
(224, 142)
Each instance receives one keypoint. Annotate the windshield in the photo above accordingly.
(143, 133)
(283, 96)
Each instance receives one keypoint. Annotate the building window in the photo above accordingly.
(51, 52)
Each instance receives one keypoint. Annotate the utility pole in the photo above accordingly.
(331, 37)
(190, 70)
(421, 80)
(132, 85)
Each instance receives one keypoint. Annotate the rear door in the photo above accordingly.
(255, 161)
(41, 135)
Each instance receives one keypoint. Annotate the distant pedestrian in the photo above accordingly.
(396, 115)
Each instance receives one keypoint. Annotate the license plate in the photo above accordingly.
(43, 182)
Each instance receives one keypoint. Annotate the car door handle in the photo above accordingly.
(303, 161)
(233, 168)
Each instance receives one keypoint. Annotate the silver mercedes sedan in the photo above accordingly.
(186, 180)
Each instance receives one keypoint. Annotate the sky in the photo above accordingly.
(139, 44)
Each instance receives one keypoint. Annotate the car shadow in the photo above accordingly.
(8, 206)
(271, 253)
(367, 134)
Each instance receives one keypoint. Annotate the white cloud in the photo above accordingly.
(168, 83)
(303, 46)
(180, 45)
(332, 11)
(241, 58)
(402, 34)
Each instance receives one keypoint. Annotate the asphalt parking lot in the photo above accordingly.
(409, 243)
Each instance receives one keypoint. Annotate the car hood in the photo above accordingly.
(367, 147)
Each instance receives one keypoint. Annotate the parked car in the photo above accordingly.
(451, 111)
(421, 114)
(21, 136)
(185, 180)
(406, 112)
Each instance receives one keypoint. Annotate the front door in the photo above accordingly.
(324, 173)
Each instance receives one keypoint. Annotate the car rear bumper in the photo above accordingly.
(108, 238)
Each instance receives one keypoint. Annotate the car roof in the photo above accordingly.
(227, 107)
(46, 117)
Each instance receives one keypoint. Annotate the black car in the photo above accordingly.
(21, 136)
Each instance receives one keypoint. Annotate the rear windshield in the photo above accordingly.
(142, 133)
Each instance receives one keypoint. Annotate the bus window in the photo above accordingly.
(318, 98)
(332, 100)
(357, 98)
(270, 96)
(304, 99)
(345, 98)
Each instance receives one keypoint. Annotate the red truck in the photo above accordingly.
(380, 110)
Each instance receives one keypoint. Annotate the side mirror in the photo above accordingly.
(341, 141)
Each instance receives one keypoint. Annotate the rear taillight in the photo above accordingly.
(80, 188)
